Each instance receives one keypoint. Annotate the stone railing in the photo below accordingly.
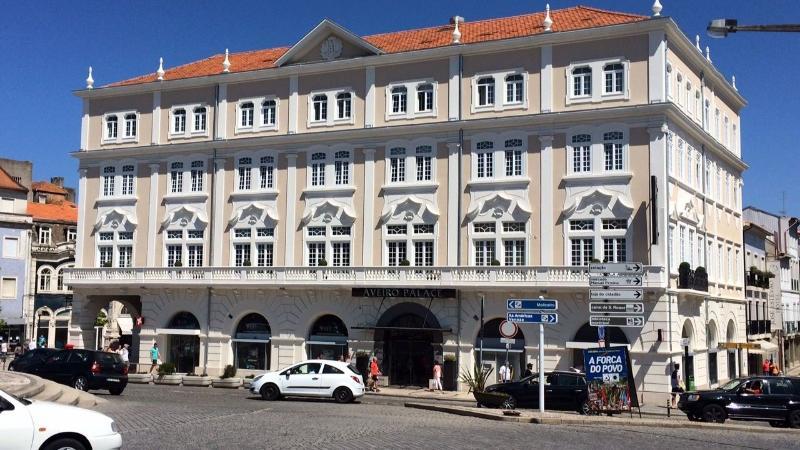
(485, 277)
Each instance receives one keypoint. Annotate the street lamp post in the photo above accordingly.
(720, 28)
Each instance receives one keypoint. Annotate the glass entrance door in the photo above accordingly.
(184, 352)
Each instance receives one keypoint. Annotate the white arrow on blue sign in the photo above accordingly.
(615, 280)
(523, 317)
(541, 304)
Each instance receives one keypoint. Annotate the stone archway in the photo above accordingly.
(85, 309)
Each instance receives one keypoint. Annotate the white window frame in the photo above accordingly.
(330, 167)
(597, 150)
(328, 240)
(409, 239)
(255, 171)
(597, 234)
(258, 115)
(412, 100)
(42, 232)
(3, 281)
(500, 91)
(498, 155)
(18, 253)
(115, 243)
(254, 240)
(584, 158)
(332, 112)
(120, 138)
(598, 93)
(186, 177)
(184, 242)
(499, 237)
(117, 179)
(410, 161)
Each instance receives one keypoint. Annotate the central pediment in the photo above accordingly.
(328, 41)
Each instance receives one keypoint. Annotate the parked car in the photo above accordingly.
(563, 390)
(772, 399)
(31, 360)
(31, 424)
(313, 378)
(83, 369)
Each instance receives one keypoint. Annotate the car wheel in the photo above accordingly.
(270, 392)
(714, 413)
(778, 424)
(509, 403)
(65, 444)
(585, 408)
(343, 395)
(116, 390)
(794, 419)
(80, 383)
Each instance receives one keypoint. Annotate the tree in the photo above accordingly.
(101, 319)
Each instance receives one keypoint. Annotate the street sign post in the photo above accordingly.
(524, 317)
(519, 304)
(508, 329)
(615, 280)
(616, 294)
(616, 308)
(620, 268)
(617, 321)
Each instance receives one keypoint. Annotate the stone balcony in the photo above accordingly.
(492, 277)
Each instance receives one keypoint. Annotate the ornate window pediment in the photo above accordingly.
(595, 202)
(689, 213)
(329, 211)
(499, 205)
(185, 216)
(253, 214)
(115, 219)
(409, 209)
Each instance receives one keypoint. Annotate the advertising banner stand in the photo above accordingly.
(609, 379)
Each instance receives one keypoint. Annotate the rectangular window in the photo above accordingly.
(71, 234)
(613, 150)
(195, 255)
(241, 255)
(267, 172)
(176, 177)
(513, 227)
(318, 169)
(582, 82)
(174, 255)
(615, 224)
(173, 234)
(245, 178)
(614, 250)
(342, 172)
(485, 164)
(424, 162)
(264, 255)
(399, 100)
(396, 252)
(316, 253)
(682, 243)
(268, 111)
(200, 119)
(486, 91)
(108, 181)
(105, 256)
(614, 78)
(316, 231)
(514, 88)
(320, 107)
(423, 229)
(45, 236)
(106, 236)
(343, 105)
(581, 252)
(581, 153)
(484, 252)
(265, 232)
(10, 247)
(340, 231)
(130, 125)
(111, 127)
(194, 234)
(197, 176)
(425, 97)
(483, 227)
(8, 287)
(341, 254)
(513, 163)
(127, 180)
(125, 256)
(515, 252)
(395, 229)
(581, 225)
(397, 165)
(423, 253)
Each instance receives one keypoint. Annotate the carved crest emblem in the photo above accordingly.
(331, 48)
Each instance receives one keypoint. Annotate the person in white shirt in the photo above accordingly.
(505, 373)
(31, 345)
(124, 354)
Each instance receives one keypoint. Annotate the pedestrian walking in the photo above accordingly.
(528, 371)
(374, 373)
(505, 373)
(32, 344)
(41, 342)
(437, 377)
(125, 354)
(18, 350)
(676, 382)
(3, 352)
(773, 369)
(154, 357)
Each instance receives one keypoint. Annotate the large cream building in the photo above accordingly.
(236, 202)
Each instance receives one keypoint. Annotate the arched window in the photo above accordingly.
(327, 339)
(399, 99)
(614, 78)
(582, 81)
(344, 105)
(268, 112)
(425, 97)
(251, 343)
(45, 279)
(184, 320)
(111, 127)
(130, 125)
(320, 103)
(581, 153)
(485, 91)
(246, 112)
(176, 177)
(200, 119)
(515, 88)
(179, 121)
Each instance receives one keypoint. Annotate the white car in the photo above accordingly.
(32, 424)
(313, 378)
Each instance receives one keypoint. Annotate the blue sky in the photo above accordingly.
(46, 47)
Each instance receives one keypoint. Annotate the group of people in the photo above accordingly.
(768, 367)
(123, 350)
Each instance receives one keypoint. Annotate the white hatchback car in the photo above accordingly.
(32, 424)
(313, 378)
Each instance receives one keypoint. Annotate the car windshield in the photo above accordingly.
(731, 385)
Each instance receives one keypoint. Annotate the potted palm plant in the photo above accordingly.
(476, 380)
(167, 375)
(228, 379)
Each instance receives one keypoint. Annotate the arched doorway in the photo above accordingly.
(687, 333)
(495, 353)
(711, 346)
(730, 336)
(327, 339)
(61, 325)
(183, 342)
(43, 316)
(588, 337)
(410, 338)
(251, 343)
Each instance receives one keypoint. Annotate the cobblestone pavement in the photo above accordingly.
(163, 417)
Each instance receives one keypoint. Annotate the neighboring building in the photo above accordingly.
(784, 263)
(239, 203)
(763, 309)
(15, 226)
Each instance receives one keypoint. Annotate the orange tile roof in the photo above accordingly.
(568, 19)
(64, 212)
(6, 182)
(44, 186)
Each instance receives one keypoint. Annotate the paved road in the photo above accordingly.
(199, 418)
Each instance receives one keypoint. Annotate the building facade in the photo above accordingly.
(362, 195)
(15, 226)
(764, 311)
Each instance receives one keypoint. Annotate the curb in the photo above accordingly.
(581, 420)
(441, 399)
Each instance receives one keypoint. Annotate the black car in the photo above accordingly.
(84, 370)
(765, 398)
(563, 390)
(31, 360)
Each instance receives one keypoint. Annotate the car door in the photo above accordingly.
(558, 391)
(16, 425)
(330, 379)
(750, 401)
(571, 390)
(55, 367)
(527, 394)
(776, 402)
(303, 379)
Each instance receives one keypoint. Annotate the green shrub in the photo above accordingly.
(476, 378)
(449, 357)
(405, 263)
(166, 369)
(322, 263)
(229, 371)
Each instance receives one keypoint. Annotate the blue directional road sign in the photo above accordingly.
(523, 317)
(541, 304)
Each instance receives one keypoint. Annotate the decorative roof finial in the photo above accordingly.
(456, 31)
(160, 71)
(548, 22)
(657, 8)
(90, 80)
(697, 43)
(708, 54)
(226, 65)
(733, 82)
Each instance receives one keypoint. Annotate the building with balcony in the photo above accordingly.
(362, 195)
(15, 225)
(783, 264)
(763, 309)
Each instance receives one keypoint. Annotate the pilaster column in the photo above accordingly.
(453, 219)
(221, 113)
(546, 217)
(657, 67)
(217, 213)
(155, 129)
(658, 238)
(369, 206)
(291, 201)
(546, 79)
(369, 101)
(293, 106)
(85, 126)
(81, 239)
(453, 106)
(152, 220)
